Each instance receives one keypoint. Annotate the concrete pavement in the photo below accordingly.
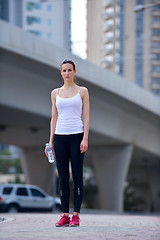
(29, 226)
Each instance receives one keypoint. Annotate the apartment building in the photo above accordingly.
(124, 41)
(50, 20)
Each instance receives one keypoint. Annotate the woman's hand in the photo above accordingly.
(84, 145)
(51, 146)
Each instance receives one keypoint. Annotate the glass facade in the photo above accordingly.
(30, 6)
(139, 45)
(37, 33)
(4, 10)
(155, 50)
(120, 38)
(31, 20)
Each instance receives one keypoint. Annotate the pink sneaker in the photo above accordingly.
(74, 221)
(63, 222)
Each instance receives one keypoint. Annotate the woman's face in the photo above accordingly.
(67, 72)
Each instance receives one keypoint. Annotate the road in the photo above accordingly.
(39, 226)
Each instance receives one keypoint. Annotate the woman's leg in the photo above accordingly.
(77, 169)
(62, 159)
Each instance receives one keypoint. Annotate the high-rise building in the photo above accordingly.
(124, 41)
(11, 11)
(50, 20)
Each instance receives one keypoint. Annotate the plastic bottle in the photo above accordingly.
(51, 157)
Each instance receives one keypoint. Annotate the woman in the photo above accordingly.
(69, 138)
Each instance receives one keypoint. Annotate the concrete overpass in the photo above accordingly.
(124, 140)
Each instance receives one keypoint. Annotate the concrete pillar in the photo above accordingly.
(154, 183)
(111, 165)
(38, 171)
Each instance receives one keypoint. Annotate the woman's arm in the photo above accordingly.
(54, 117)
(53, 120)
(85, 99)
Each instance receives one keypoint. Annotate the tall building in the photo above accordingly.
(11, 11)
(124, 41)
(50, 20)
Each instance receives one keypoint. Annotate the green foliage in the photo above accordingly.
(7, 164)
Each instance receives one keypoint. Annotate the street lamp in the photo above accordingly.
(140, 8)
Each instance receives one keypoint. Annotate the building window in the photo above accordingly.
(49, 35)
(4, 10)
(49, 8)
(30, 20)
(156, 92)
(155, 57)
(109, 58)
(155, 19)
(49, 21)
(156, 7)
(32, 6)
(155, 32)
(155, 81)
(119, 68)
(38, 34)
(155, 45)
(155, 69)
(139, 46)
(109, 46)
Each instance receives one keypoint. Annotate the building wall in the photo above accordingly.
(51, 21)
(129, 42)
(48, 20)
(94, 32)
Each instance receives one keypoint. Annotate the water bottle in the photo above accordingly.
(51, 157)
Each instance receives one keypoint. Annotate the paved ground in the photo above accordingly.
(93, 226)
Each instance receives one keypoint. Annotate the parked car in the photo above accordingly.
(23, 197)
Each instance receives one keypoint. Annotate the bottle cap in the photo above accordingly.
(47, 144)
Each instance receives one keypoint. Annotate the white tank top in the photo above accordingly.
(69, 115)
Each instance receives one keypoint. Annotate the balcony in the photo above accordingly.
(108, 51)
(155, 25)
(108, 15)
(155, 38)
(107, 3)
(107, 64)
(155, 74)
(108, 27)
(107, 39)
(155, 63)
(155, 86)
(155, 50)
(155, 13)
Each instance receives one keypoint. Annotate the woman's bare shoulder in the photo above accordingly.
(84, 93)
(84, 90)
(54, 92)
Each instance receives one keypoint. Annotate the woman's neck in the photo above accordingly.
(69, 85)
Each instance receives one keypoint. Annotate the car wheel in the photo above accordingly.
(13, 208)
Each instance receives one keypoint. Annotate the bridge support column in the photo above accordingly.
(36, 168)
(111, 165)
(154, 183)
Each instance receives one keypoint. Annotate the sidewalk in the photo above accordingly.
(28, 226)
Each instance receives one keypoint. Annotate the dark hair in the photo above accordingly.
(73, 64)
(69, 61)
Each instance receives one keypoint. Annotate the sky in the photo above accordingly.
(78, 26)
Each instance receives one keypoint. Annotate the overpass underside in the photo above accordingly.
(124, 139)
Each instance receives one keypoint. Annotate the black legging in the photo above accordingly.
(68, 147)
